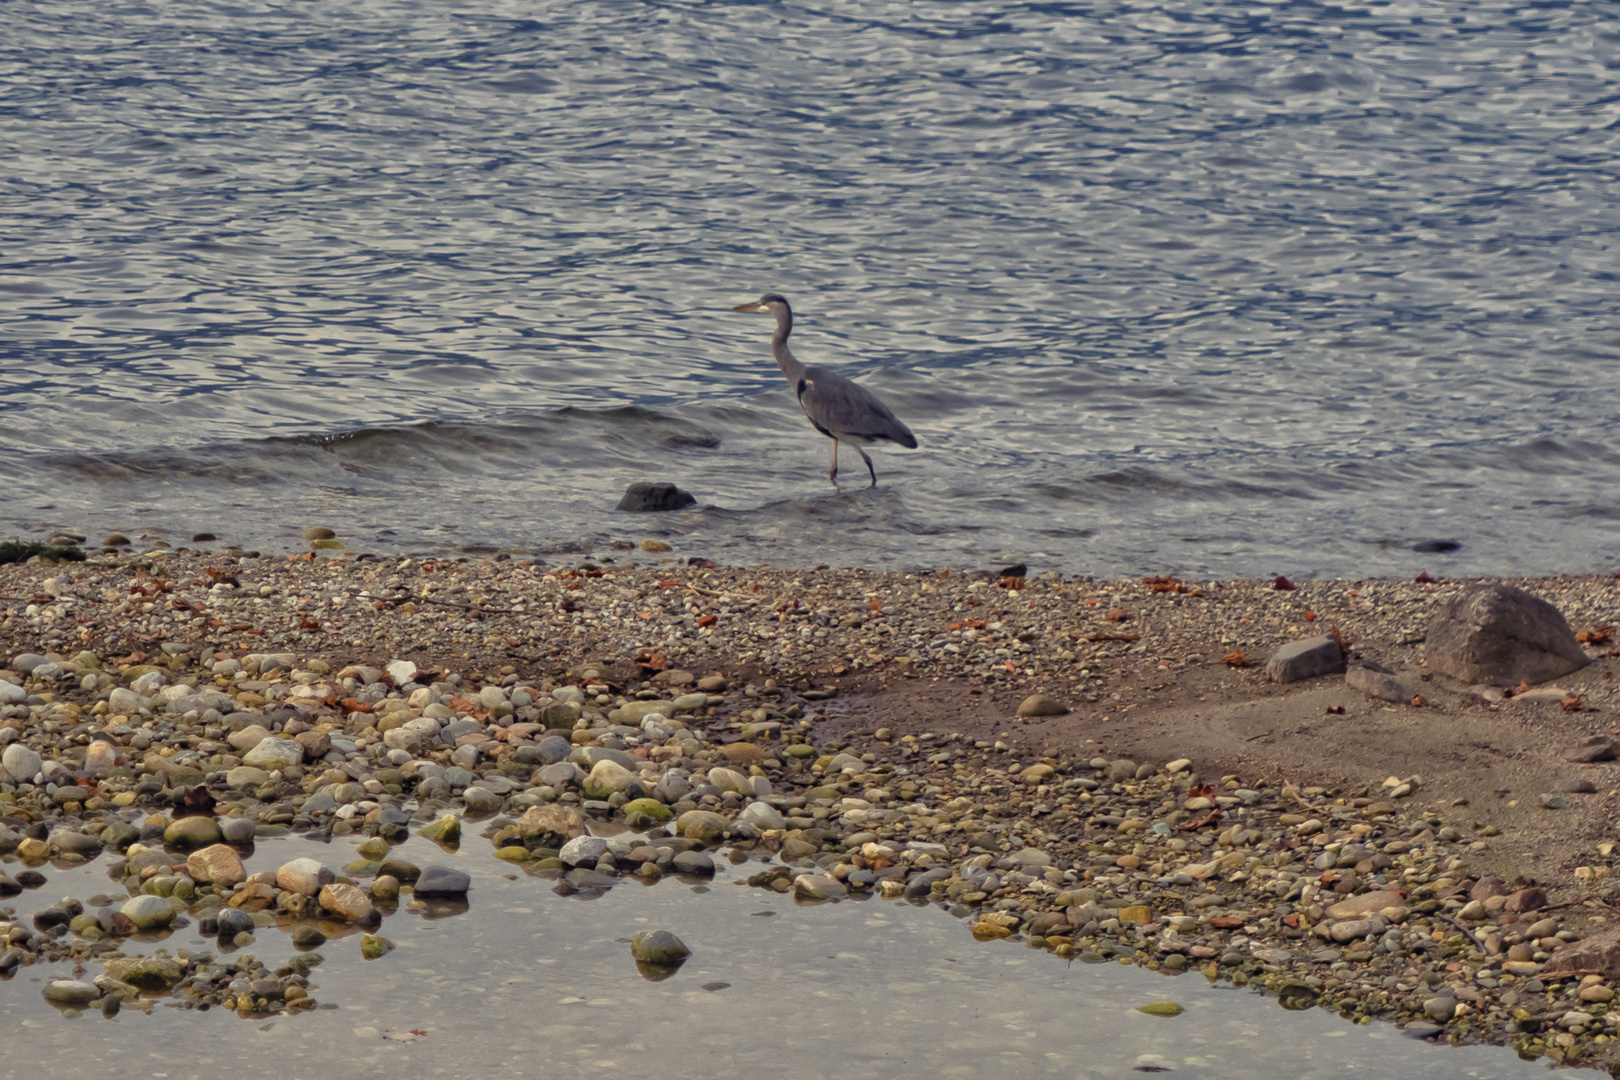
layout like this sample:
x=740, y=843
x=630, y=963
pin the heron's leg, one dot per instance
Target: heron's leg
x=832, y=473
x=869, y=468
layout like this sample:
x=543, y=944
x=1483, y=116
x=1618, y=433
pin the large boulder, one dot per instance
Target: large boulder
x=1595, y=955
x=1503, y=636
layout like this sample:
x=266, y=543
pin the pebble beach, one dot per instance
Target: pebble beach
x=957, y=738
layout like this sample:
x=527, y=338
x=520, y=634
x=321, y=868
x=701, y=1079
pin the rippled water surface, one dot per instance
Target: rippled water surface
x=528, y=983
x=1226, y=288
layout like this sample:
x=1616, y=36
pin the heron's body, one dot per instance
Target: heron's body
x=836, y=407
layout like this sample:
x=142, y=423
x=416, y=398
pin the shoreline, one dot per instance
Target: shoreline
x=1248, y=837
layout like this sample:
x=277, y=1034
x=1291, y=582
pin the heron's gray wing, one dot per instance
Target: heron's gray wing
x=839, y=408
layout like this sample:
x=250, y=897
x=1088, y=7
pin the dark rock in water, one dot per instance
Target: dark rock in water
x=119, y=835
x=1437, y=547
x=649, y=498
x=400, y=870
x=193, y=801
x=658, y=947
x=308, y=937
x=442, y=881
x=233, y=921
x=694, y=862
x=1305, y=659
x=920, y=884
x=46, y=918
x=1503, y=636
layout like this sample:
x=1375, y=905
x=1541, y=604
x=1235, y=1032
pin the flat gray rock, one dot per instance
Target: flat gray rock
x=1503, y=636
x=1305, y=659
x=1590, y=749
x=1376, y=684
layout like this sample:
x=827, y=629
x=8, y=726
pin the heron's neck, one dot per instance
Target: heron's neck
x=784, y=357
x=786, y=360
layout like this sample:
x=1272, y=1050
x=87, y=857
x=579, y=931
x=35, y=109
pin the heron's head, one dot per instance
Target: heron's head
x=771, y=302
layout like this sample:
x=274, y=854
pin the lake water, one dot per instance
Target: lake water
x=1220, y=288
x=527, y=982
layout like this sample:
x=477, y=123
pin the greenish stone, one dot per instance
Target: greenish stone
x=1160, y=1008
x=191, y=833
x=400, y=870
x=373, y=946
x=513, y=853
x=446, y=831
x=158, y=973
x=308, y=937
x=650, y=807
x=375, y=848
x=659, y=947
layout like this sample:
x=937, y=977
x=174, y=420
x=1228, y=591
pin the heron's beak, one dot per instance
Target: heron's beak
x=755, y=306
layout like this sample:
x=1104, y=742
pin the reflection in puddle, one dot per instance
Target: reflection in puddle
x=521, y=980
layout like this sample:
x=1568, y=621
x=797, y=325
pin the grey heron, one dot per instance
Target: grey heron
x=837, y=407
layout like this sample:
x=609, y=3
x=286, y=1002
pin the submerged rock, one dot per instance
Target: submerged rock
x=654, y=497
x=658, y=947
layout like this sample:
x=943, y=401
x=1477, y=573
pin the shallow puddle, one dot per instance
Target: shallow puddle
x=527, y=981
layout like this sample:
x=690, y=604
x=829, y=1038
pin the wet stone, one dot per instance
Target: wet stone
x=654, y=497
x=658, y=947
x=442, y=881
